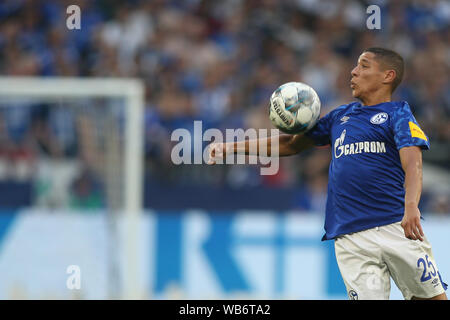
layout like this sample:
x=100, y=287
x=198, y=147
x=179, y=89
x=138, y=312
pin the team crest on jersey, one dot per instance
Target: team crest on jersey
x=352, y=295
x=379, y=118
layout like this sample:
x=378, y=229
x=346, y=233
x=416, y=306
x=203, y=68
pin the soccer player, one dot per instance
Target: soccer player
x=375, y=184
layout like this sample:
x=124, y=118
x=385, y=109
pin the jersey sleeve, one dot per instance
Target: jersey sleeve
x=407, y=131
x=320, y=133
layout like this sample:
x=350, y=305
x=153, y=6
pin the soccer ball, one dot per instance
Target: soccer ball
x=294, y=107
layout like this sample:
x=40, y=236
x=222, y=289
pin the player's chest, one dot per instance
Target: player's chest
x=361, y=127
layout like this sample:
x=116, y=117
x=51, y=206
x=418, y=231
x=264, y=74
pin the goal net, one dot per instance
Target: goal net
x=84, y=138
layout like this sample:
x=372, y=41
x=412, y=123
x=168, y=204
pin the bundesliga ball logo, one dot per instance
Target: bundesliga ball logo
x=294, y=107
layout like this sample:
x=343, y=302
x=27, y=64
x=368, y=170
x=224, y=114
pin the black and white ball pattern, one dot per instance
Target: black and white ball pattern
x=294, y=107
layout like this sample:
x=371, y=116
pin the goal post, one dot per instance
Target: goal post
x=132, y=92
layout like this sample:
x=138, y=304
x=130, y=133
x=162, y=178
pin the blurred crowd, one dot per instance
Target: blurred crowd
x=219, y=61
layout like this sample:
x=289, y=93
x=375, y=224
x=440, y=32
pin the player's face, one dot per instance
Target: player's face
x=367, y=76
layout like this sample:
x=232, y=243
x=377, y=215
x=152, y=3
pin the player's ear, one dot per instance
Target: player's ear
x=389, y=76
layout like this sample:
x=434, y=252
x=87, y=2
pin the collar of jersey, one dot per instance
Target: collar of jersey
x=357, y=107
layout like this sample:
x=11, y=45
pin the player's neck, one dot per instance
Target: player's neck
x=376, y=98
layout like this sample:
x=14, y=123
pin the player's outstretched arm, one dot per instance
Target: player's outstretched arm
x=411, y=159
x=287, y=145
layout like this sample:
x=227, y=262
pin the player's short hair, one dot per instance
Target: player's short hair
x=389, y=59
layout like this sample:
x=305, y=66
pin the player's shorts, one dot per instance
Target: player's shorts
x=367, y=259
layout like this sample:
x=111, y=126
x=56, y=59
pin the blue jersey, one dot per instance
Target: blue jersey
x=365, y=186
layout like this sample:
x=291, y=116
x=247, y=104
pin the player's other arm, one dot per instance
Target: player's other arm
x=411, y=160
x=287, y=145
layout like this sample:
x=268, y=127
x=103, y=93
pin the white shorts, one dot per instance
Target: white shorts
x=367, y=259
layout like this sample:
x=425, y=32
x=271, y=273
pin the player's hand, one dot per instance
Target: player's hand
x=411, y=223
x=218, y=151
